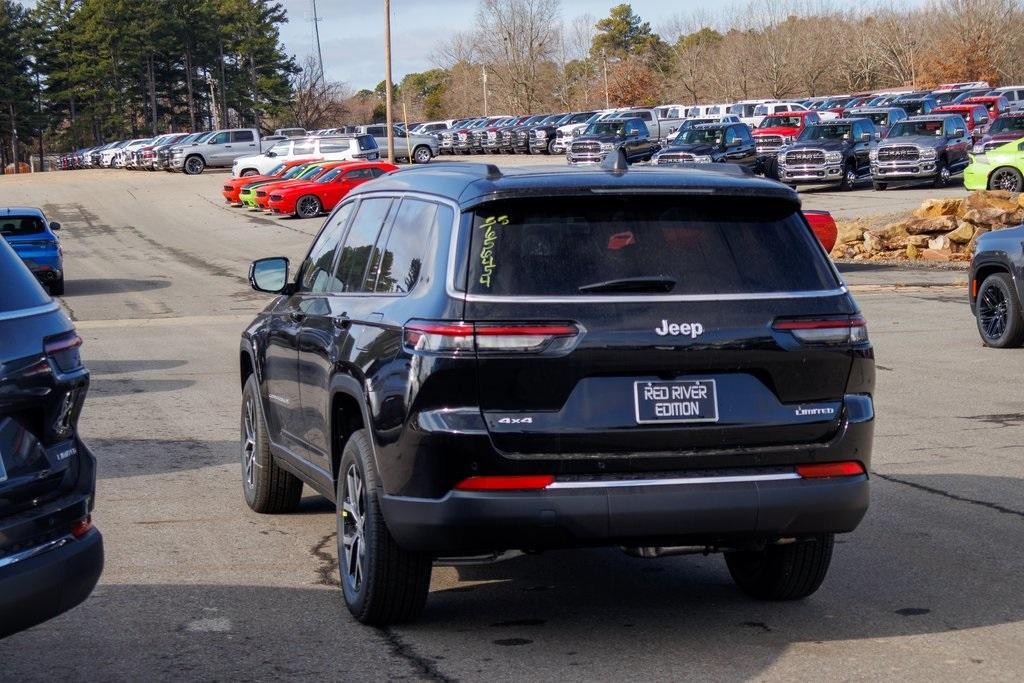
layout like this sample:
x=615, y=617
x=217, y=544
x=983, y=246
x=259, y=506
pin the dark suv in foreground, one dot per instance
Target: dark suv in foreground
x=469, y=362
x=50, y=554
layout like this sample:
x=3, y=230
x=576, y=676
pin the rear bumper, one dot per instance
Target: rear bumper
x=41, y=587
x=465, y=523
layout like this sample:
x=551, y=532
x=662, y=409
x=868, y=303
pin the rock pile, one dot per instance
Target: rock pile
x=939, y=230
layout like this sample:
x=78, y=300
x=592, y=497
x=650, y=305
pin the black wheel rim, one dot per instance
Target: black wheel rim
x=249, y=464
x=353, y=519
x=308, y=207
x=194, y=166
x=1004, y=179
x=992, y=312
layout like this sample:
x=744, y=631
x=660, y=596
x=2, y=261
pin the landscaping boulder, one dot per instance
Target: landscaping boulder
x=932, y=208
x=963, y=233
x=924, y=226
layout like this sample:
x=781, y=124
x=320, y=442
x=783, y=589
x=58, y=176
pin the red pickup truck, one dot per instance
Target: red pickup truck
x=775, y=132
x=996, y=104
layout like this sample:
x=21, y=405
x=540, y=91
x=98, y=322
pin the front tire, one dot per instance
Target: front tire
x=942, y=175
x=249, y=172
x=382, y=582
x=782, y=572
x=879, y=187
x=57, y=288
x=1006, y=178
x=422, y=155
x=268, y=489
x=308, y=206
x=1000, y=322
x=849, y=178
x=194, y=165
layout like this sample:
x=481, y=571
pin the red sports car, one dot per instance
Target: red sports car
x=308, y=199
x=234, y=186
x=263, y=191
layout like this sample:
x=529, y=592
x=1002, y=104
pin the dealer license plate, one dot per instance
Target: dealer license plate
x=690, y=400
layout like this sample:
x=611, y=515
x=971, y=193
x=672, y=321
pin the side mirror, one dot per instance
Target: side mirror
x=271, y=154
x=958, y=132
x=878, y=135
x=865, y=137
x=54, y=225
x=984, y=120
x=269, y=275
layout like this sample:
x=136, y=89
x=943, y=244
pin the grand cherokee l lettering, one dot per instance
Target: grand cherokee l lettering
x=468, y=362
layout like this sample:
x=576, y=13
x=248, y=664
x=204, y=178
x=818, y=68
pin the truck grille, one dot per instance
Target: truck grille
x=586, y=148
x=805, y=157
x=902, y=153
x=768, y=143
x=674, y=157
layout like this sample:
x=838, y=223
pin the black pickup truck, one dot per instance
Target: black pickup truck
x=831, y=152
x=710, y=143
x=605, y=137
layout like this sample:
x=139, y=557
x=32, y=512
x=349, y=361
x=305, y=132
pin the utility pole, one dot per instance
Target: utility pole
x=14, y=138
x=210, y=81
x=39, y=116
x=604, y=58
x=387, y=82
x=316, y=34
x=483, y=70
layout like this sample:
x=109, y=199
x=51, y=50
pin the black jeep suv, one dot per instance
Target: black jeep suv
x=469, y=361
x=50, y=554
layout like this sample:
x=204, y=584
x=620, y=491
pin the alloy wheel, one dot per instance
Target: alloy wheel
x=992, y=312
x=194, y=166
x=249, y=449
x=421, y=155
x=353, y=538
x=1005, y=179
x=308, y=207
x=851, y=178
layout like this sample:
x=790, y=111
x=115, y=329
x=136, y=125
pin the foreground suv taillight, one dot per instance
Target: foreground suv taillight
x=455, y=338
x=64, y=350
x=845, y=330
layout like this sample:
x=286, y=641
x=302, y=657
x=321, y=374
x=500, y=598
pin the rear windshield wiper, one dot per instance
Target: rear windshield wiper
x=657, y=283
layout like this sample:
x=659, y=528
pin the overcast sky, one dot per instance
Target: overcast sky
x=351, y=31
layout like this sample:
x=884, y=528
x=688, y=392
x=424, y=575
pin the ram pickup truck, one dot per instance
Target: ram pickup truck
x=770, y=109
x=882, y=117
x=607, y=137
x=832, y=152
x=933, y=147
x=975, y=116
x=1006, y=128
x=658, y=129
x=218, y=150
x=422, y=148
x=729, y=143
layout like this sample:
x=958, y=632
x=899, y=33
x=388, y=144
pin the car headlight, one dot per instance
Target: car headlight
x=873, y=155
x=704, y=159
x=833, y=157
x=926, y=152
x=607, y=146
x=542, y=133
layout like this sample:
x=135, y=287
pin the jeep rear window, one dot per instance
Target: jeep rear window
x=554, y=246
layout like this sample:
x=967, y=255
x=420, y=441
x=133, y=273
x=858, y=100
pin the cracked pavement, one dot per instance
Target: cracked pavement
x=198, y=587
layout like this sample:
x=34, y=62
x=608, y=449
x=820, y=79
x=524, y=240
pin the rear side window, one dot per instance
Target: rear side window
x=366, y=143
x=360, y=247
x=20, y=289
x=15, y=226
x=242, y=136
x=554, y=247
x=328, y=146
x=403, y=253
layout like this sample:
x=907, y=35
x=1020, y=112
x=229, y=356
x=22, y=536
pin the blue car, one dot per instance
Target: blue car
x=34, y=239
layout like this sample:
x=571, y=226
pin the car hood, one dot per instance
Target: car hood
x=1008, y=147
x=598, y=138
x=1008, y=136
x=296, y=185
x=827, y=145
x=916, y=140
x=778, y=130
x=694, y=148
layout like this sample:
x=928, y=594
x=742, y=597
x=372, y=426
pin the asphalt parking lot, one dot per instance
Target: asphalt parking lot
x=198, y=587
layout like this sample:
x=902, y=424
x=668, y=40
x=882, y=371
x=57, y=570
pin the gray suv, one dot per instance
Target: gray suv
x=932, y=147
x=422, y=148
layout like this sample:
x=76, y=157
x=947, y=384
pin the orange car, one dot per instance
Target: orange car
x=234, y=186
x=264, y=190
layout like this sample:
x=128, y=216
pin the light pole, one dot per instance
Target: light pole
x=604, y=59
x=483, y=70
x=387, y=81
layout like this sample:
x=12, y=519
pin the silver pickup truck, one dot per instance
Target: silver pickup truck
x=658, y=128
x=219, y=150
x=420, y=148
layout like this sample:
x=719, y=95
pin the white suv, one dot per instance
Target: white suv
x=336, y=148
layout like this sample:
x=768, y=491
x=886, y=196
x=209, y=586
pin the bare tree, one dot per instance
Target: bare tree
x=316, y=102
x=520, y=35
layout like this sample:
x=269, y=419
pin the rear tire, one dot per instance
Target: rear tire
x=782, y=572
x=1006, y=178
x=249, y=172
x=268, y=489
x=383, y=583
x=999, y=317
x=57, y=288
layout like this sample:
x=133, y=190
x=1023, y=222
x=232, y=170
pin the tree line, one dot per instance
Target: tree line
x=82, y=72
x=536, y=60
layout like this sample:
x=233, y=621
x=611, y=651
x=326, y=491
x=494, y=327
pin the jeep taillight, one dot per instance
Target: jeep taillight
x=845, y=330
x=456, y=338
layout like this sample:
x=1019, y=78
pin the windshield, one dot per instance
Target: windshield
x=295, y=171
x=277, y=169
x=747, y=109
x=16, y=226
x=834, y=131
x=700, y=136
x=1008, y=124
x=879, y=118
x=281, y=148
x=310, y=172
x=330, y=175
x=205, y=136
x=915, y=107
x=906, y=129
x=782, y=121
x=607, y=128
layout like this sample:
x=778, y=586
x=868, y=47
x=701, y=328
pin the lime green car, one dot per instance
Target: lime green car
x=1000, y=168
x=247, y=195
